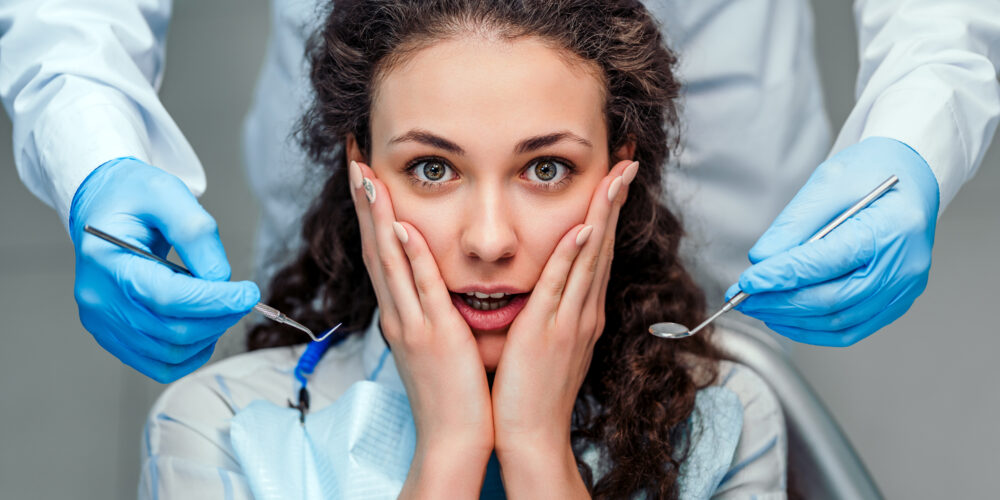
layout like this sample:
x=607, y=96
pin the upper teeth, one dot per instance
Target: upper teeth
x=481, y=295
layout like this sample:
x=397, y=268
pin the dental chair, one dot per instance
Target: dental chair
x=821, y=461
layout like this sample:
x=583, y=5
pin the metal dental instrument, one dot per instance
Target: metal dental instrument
x=268, y=311
x=679, y=331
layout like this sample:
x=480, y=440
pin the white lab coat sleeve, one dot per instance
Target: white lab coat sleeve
x=78, y=79
x=928, y=77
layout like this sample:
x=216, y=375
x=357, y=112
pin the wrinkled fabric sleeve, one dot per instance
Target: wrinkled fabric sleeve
x=760, y=463
x=928, y=77
x=78, y=79
x=186, y=451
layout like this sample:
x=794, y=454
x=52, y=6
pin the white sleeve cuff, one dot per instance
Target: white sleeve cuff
x=84, y=127
x=72, y=140
x=924, y=120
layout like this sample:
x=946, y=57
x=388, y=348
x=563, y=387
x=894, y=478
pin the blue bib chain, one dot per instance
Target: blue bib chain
x=307, y=364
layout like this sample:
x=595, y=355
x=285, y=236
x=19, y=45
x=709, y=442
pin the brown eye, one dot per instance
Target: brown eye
x=434, y=170
x=430, y=172
x=546, y=170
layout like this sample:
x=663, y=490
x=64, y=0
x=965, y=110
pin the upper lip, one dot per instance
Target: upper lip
x=510, y=290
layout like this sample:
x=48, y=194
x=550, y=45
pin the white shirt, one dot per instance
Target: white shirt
x=187, y=452
x=81, y=90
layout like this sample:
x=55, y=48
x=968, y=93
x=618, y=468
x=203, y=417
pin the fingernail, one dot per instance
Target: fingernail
x=629, y=174
x=583, y=235
x=354, y=172
x=616, y=185
x=369, y=189
x=400, y=232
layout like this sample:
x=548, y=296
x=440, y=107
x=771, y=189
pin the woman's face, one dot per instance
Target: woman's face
x=492, y=150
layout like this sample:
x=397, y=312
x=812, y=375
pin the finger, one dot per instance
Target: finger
x=829, y=322
x=188, y=227
x=172, y=342
x=818, y=202
x=183, y=332
x=431, y=289
x=551, y=285
x=846, y=248
x=848, y=317
x=392, y=259
x=159, y=371
x=153, y=348
x=582, y=275
x=369, y=244
x=850, y=336
x=597, y=291
x=167, y=293
x=814, y=300
x=602, y=300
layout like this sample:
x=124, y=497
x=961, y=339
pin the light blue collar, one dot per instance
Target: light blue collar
x=361, y=445
x=376, y=359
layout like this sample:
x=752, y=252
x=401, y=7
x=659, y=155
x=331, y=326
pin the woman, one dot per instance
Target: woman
x=486, y=161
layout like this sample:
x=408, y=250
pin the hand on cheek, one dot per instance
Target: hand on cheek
x=435, y=352
x=550, y=344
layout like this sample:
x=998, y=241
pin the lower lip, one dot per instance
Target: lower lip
x=490, y=320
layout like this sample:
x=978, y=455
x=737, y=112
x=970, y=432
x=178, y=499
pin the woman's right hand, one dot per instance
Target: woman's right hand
x=434, y=349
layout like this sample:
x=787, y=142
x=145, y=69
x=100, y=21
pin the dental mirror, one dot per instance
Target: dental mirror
x=679, y=331
x=669, y=330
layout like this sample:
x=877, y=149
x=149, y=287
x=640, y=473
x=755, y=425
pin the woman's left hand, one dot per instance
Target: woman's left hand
x=550, y=344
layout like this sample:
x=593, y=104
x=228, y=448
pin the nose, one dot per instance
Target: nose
x=489, y=233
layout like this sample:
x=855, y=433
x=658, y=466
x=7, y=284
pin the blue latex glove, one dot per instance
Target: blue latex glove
x=866, y=272
x=163, y=324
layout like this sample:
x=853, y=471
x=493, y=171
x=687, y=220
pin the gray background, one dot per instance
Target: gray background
x=918, y=399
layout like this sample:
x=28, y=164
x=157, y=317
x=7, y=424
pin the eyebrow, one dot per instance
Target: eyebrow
x=525, y=146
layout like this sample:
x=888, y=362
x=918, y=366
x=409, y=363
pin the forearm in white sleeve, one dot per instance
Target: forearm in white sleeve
x=928, y=78
x=79, y=79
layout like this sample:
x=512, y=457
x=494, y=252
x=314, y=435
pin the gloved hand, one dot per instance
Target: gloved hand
x=163, y=324
x=862, y=275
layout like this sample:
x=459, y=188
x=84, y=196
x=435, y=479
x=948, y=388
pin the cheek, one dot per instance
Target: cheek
x=540, y=223
x=542, y=238
x=429, y=217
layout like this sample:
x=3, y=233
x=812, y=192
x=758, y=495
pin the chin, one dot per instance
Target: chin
x=490, y=346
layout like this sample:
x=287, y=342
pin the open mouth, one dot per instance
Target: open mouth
x=489, y=312
x=490, y=303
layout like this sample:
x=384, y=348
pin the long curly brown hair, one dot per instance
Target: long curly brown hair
x=639, y=393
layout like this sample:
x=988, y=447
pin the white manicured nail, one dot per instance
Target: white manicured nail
x=616, y=185
x=369, y=189
x=400, y=232
x=629, y=174
x=583, y=235
x=354, y=172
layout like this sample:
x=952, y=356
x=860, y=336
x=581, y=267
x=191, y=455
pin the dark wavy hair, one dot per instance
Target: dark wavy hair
x=639, y=392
